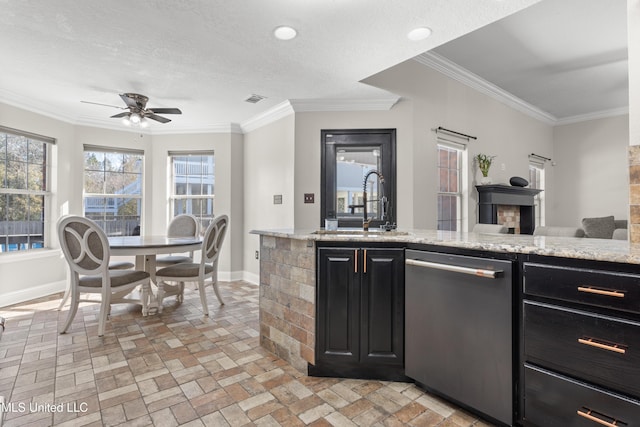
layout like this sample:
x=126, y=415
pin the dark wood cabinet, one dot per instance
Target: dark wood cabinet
x=360, y=312
x=580, y=344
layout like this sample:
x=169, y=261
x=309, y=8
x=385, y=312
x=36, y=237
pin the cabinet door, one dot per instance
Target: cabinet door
x=338, y=305
x=382, y=316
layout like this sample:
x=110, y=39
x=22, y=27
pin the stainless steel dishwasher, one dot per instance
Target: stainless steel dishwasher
x=458, y=323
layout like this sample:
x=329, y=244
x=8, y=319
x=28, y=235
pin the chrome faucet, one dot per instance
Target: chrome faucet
x=383, y=199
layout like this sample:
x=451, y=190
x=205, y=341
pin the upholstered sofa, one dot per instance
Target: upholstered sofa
x=597, y=228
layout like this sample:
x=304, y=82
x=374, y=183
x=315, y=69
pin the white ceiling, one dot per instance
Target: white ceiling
x=567, y=58
x=205, y=57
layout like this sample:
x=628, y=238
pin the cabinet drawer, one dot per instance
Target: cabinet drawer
x=601, y=350
x=552, y=400
x=614, y=290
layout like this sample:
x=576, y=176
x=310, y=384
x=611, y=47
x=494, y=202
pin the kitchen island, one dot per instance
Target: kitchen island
x=565, y=277
x=288, y=272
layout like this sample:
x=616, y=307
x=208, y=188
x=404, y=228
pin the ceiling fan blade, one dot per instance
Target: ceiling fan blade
x=157, y=118
x=117, y=116
x=131, y=103
x=104, y=105
x=165, y=110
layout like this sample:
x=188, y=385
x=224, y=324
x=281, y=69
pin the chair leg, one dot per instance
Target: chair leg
x=203, y=297
x=73, y=309
x=217, y=291
x=65, y=297
x=105, y=308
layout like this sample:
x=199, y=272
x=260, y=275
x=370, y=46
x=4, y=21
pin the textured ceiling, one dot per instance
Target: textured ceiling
x=205, y=57
x=567, y=58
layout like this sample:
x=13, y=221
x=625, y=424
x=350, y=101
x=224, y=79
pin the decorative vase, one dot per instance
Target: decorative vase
x=485, y=180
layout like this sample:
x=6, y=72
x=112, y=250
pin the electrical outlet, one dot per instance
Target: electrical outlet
x=257, y=254
x=277, y=199
x=309, y=197
x=503, y=166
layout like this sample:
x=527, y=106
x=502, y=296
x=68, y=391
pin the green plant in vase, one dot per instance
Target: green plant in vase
x=484, y=164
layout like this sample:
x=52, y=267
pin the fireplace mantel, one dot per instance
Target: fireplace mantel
x=490, y=196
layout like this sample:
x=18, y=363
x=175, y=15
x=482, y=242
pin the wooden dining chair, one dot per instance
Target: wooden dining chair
x=196, y=272
x=86, y=249
x=183, y=225
x=116, y=265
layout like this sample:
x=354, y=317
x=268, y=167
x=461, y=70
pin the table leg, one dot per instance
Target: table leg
x=150, y=267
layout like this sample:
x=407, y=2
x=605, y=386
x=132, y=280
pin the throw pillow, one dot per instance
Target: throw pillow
x=599, y=228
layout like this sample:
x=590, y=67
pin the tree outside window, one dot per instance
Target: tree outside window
x=113, y=189
x=23, y=191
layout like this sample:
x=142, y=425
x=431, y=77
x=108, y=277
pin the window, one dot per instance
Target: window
x=450, y=188
x=113, y=189
x=24, y=189
x=193, y=182
x=536, y=180
x=348, y=156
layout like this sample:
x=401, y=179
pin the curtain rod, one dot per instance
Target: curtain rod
x=539, y=157
x=441, y=129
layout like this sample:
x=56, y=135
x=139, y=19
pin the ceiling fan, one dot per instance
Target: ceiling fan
x=138, y=112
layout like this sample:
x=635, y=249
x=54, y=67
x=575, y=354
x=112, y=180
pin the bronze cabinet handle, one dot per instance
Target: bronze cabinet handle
x=617, y=348
x=609, y=293
x=590, y=417
x=364, y=259
x=355, y=264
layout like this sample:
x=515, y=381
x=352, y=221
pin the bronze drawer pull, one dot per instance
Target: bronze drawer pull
x=587, y=415
x=355, y=264
x=591, y=290
x=364, y=260
x=611, y=347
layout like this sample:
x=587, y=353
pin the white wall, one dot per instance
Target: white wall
x=268, y=170
x=591, y=170
x=441, y=101
x=34, y=274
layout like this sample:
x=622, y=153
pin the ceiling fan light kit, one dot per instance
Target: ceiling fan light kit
x=139, y=114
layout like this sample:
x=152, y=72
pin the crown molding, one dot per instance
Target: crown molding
x=593, y=116
x=273, y=114
x=466, y=77
x=15, y=100
x=315, y=105
x=292, y=106
x=213, y=128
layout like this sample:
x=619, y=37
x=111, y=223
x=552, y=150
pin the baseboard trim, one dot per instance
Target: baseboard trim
x=251, y=277
x=34, y=292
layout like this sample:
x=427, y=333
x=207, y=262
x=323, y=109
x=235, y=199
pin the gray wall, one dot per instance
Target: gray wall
x=591, y=170
x=441, y=101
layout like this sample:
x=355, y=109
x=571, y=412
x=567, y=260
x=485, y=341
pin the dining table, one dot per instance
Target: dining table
x=146, y=248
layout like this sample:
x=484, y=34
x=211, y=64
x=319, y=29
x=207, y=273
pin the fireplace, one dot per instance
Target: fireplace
x=509, y=206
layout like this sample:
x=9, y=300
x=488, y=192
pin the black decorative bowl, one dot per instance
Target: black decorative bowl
x=517, y=181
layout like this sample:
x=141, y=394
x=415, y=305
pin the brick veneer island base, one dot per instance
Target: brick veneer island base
x=287, y=299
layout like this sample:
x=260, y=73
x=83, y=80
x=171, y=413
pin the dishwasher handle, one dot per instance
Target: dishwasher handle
x=479, y=272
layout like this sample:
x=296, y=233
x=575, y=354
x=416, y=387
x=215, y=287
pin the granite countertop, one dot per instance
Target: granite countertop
x=567, y=247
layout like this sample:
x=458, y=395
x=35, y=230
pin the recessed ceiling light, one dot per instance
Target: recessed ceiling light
x=285, y=33
x=419, y=33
